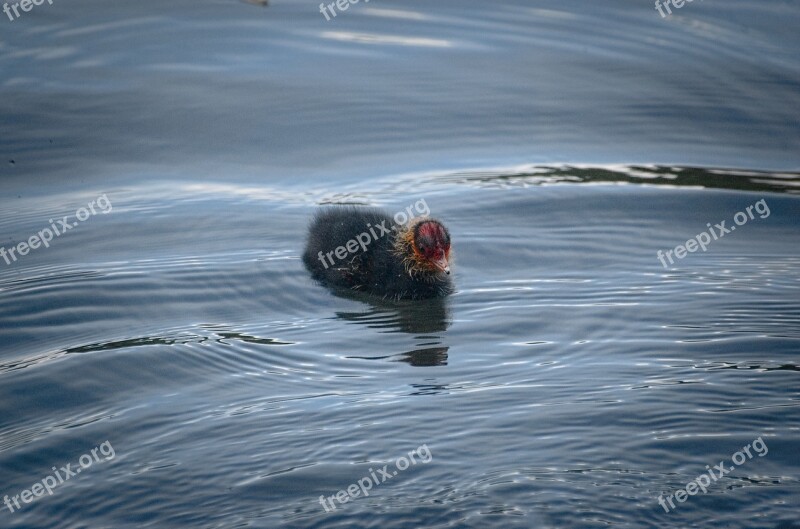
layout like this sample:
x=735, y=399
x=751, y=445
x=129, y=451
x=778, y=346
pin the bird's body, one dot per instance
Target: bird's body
x=362, y=249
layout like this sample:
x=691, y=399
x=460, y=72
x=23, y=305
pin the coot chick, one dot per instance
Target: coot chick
x=362, y=249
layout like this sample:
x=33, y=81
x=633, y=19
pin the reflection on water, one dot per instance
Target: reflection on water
x=426, y=320
x=412, y=317
x=427, y=357
x=735, y=179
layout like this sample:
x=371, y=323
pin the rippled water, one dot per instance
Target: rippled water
x=569, y=382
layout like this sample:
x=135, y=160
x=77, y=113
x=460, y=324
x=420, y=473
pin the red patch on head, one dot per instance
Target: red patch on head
x=432, y=240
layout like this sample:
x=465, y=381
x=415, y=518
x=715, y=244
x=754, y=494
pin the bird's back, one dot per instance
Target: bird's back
x=357, y=234
x=354, y=248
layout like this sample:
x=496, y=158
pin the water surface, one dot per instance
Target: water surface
x=569, y=382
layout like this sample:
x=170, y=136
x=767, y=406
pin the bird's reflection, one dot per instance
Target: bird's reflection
x=430, y=356
x=423, y=318
x=411, y=317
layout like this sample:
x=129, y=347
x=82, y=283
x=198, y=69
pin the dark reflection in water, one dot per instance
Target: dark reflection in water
x=428, y=357
x=421, y=318
x=412, y=317
x=735, y=179
x=425, y=357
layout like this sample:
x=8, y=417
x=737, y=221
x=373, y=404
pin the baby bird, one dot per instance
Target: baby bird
x=364, y=250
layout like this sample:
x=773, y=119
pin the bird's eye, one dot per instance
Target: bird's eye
x=421, y=248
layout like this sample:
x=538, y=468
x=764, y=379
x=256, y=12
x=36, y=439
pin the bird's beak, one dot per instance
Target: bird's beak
x=442, y=265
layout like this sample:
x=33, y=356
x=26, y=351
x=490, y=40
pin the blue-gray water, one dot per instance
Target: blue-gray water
x=568, y=383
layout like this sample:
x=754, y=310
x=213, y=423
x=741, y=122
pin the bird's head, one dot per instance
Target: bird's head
x=426, y=247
